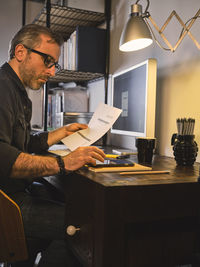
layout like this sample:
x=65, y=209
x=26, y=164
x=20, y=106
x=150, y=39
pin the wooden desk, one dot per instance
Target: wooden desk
x=135, y=220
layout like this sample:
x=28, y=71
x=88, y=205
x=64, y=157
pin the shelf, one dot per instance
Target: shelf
x=77, y=76
x=65, y=19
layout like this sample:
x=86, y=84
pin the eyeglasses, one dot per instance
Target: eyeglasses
x=49, y=61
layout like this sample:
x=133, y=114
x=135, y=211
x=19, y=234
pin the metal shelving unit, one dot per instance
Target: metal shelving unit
x=64, y=20
x=70, y=75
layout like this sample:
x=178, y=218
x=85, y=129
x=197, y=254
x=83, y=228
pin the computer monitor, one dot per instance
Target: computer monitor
x=134, y=91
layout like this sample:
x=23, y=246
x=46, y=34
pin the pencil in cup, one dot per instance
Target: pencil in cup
x=185, y=126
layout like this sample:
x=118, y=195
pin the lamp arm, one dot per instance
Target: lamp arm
x=156, y=40
x=136, y=11
x=185, y=30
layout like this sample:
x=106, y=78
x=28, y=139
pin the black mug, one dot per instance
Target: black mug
x=145, y=148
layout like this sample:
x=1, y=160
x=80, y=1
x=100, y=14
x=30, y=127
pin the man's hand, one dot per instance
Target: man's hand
x=32, y=166
x=58, y=134
x=83, y=155
x=74, y=127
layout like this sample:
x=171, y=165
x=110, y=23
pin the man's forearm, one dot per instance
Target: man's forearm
x=31, y=166
x=56, y=135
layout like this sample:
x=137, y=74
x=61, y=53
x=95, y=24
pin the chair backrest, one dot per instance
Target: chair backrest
x=12, y=239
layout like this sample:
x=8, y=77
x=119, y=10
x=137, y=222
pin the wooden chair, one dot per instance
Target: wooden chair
x=12, y=239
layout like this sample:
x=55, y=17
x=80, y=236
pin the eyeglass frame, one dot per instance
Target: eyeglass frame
x=45, y=57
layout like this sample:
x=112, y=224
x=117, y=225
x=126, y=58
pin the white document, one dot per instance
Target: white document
x=101, y=121
x=59, y=149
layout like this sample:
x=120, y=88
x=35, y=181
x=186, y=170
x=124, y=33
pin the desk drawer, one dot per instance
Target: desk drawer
x=164, y=243
x=80, y=214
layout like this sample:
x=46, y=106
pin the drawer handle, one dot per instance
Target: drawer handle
x=71, y=230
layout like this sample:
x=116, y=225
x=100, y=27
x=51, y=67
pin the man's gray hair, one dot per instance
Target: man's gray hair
x=29, y=36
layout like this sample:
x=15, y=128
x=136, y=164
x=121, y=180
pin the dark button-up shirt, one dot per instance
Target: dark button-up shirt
x=15, y=137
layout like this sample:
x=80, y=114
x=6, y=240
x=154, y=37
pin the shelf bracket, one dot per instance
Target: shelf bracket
x=48, y=18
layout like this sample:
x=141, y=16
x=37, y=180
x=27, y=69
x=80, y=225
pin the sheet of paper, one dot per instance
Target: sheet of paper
x=101, y=121
x=59, y=149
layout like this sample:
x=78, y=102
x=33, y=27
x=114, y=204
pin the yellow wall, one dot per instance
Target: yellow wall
x=178, y=96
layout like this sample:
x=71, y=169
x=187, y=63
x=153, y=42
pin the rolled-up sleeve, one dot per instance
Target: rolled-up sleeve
x=9, y=153
x=8, y=157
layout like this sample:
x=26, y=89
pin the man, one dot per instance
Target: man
x=34, y=53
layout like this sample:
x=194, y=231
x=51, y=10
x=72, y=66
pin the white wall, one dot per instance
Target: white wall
x=32, y=10
x=10, y=21
x=93, y=5
x=178, y=90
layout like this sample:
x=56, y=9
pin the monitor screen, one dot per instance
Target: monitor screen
x=134, y=91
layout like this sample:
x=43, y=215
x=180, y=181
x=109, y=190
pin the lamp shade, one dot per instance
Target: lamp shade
x=135, y=35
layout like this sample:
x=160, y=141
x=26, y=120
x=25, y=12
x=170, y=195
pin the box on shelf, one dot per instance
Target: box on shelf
x=63, y=100
x=85, y=50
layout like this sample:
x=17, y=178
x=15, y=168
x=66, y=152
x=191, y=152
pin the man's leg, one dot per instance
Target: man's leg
x=58, y=255
x=43, y=220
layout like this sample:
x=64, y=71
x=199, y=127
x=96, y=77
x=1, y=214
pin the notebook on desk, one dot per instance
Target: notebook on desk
x=136, y=167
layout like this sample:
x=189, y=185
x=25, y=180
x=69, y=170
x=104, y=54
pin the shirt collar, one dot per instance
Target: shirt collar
x=14, y=76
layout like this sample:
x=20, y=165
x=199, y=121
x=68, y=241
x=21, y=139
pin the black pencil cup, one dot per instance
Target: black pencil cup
x=185, y=149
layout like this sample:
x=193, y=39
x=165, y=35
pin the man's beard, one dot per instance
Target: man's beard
x=29, y=77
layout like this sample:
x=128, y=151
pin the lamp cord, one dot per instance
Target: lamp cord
x=146, y=9
x=196, y=17
x=146, y=14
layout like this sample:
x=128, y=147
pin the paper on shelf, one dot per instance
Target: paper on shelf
x=101, y=121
